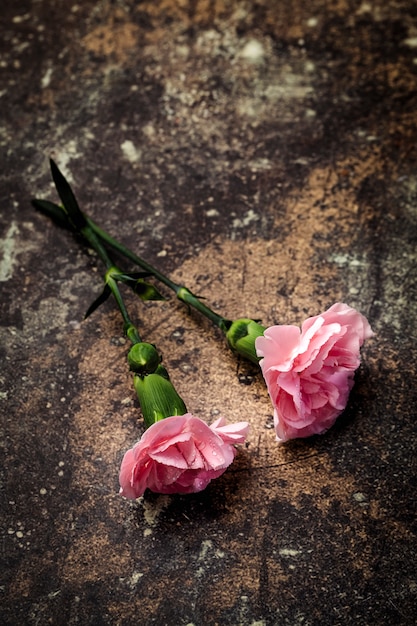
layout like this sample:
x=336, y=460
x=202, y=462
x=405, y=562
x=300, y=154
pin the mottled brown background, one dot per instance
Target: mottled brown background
x=264, y=153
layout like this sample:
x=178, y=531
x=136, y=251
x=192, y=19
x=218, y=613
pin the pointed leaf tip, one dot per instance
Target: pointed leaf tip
x=67, y=197
x=147, y=291
x=102, y=298
x=54, y=211
x=143, y=289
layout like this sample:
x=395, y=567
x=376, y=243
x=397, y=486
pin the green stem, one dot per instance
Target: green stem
x=129, y=328
x=241, y=334
x=88, y=233
x=157, y=396
x=104, y=236
x=182, y=293
x=189, y=298
x=111, y=280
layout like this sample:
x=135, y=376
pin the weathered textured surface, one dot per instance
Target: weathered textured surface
x=265, y=154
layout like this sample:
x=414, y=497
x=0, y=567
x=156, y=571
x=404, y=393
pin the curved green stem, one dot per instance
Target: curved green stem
x=104, y=236
x=129, y=328
x=182, y=292
x=111, y=280
x=241, y=334
x=186, y=296
x=157, y=396
x=88, y=233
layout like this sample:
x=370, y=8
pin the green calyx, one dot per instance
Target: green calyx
x=157, y=397
x=241, y=337
x=143, y=358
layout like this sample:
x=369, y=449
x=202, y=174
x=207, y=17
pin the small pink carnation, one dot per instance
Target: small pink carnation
x=179, y=454
x=309, y=374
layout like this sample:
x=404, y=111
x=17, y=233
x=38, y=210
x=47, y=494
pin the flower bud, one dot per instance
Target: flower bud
x=157, y=396
x=143, y=358
x=242, y=335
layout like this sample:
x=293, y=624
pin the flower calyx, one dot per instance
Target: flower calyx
x=157, y=396
x=241, y=336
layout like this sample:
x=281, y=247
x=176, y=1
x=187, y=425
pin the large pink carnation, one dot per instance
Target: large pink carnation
x=179, y=454
x=309, y=374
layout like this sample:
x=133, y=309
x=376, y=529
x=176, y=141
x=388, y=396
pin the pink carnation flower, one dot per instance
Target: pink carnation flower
x=309, y=374
x=179, y=454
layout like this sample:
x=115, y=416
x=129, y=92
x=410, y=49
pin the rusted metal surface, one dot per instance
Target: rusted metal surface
x=265, y=155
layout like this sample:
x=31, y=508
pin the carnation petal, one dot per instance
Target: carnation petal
x=163, y=478
x=179, y=454
x=278, y=346
x=170, y=456
x=231, y=433
x=126, y=474
x=309, y=379
x=217, y=454
x=164, y=429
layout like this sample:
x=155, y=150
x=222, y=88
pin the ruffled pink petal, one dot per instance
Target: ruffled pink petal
x=171, y=454
x=163, y=478
x=319, y=347
x=230, y=433
x=133, y=476
x=164, y=430
x=192, y=455
x=216, y=454
x=278, y=346
x=347, y=316
x=309, y=375
x=179, y=454
x=125, y=475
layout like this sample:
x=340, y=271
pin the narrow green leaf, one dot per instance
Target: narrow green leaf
x=102, y=298
x=134, y=280
x=131, y=277
x=146, y=291
x=67, y=196
x=54, y=211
